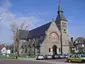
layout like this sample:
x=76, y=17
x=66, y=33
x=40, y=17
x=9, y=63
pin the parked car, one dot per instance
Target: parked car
x=75, y=58
x=63, y=56
x=48, y=57
x=82, y=55
x=57, y=56
x=40, y=57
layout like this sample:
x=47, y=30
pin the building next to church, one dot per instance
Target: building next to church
x=50, y=38
x=78, y=45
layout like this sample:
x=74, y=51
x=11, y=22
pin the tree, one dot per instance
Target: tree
x=15, y=34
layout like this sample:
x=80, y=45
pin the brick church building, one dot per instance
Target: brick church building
x=50, y=38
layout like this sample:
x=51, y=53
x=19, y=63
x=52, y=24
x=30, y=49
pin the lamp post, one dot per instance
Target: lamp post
x=61, y=43
x=61, y=39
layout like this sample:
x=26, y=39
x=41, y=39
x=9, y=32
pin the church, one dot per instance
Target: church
x=50, y=38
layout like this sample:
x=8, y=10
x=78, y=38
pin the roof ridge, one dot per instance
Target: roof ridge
x=40, y=26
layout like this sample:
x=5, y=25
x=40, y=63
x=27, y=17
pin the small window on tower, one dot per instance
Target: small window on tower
x=64, y=30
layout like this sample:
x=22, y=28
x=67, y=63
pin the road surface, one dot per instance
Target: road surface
x=33, y=62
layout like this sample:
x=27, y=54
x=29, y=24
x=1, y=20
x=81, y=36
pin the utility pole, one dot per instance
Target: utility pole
x=61, y=42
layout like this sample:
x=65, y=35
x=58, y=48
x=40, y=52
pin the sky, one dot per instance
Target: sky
x=38, y=12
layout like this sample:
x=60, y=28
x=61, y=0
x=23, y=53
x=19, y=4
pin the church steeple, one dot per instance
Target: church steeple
x=60, y=9
x=60, y=15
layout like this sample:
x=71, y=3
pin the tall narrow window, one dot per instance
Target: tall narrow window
x=49, y=49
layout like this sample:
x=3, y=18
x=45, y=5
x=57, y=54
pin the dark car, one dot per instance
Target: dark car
x=60, y=56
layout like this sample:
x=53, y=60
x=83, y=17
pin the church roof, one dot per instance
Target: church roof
x=39, y=31
x=60, y=15
x=25, y=34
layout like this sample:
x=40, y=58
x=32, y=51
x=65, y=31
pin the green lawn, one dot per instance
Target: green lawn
x=26, y=56
x=14, y=57
x=5, y=57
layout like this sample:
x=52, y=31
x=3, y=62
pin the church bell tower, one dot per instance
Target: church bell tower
x=62, y=25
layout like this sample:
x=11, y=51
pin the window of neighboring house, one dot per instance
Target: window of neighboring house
x=76, y=41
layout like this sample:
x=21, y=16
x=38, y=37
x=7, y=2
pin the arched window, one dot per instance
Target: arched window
x=49, y=49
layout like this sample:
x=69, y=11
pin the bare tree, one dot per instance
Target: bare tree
x=16, y=38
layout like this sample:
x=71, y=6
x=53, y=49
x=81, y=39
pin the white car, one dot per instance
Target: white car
x=48, y=56
x=40, y=57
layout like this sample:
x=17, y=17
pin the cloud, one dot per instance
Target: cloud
x=7, y=17
x=5, y=4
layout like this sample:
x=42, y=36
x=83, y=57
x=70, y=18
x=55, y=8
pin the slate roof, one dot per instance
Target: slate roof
x=80, y=40
x=39, y=31
x=23, y=34
x=60, y=15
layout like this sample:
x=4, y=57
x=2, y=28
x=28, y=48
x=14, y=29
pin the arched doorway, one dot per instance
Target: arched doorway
x=54, y=49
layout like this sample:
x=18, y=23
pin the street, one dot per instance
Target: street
x=21, y=62
x=34, y=62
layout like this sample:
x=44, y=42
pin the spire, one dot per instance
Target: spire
x=60, y=15
x=60, y=9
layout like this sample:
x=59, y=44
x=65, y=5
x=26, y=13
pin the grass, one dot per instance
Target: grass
x=14, y=57
x=5, y=57
x=32, y=56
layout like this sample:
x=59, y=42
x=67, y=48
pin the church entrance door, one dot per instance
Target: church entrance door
x=54, y=49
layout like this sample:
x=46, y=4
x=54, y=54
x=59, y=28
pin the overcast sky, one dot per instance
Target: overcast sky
x=38, y=12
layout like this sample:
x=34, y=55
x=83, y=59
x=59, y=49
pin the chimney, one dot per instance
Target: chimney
x=72, y=39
